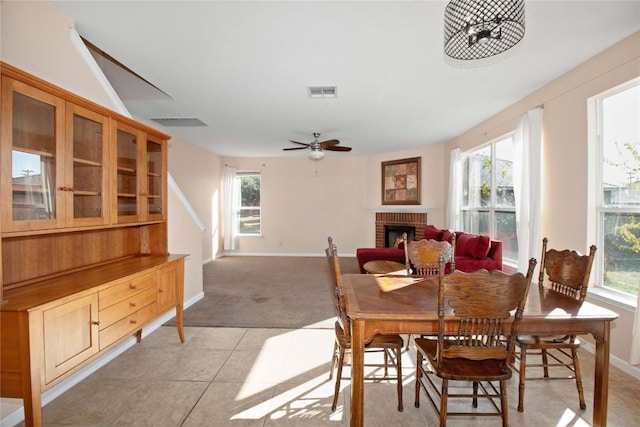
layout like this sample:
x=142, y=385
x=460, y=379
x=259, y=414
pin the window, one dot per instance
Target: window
x=488, y=202
x=249, y=218
x=618, y=188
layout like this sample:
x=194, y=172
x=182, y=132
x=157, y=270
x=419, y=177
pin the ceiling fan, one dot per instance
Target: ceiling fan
x=317, y=148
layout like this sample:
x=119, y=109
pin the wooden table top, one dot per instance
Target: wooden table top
x=368, y=297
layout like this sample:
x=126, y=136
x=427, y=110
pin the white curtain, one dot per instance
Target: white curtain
x=527, y=186
x=455, y=184
x=229, y=208
x=635, y=339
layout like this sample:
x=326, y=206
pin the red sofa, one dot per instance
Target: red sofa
x=473, y=252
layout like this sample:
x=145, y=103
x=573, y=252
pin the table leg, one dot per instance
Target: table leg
x=357, y=373
x=601, y=377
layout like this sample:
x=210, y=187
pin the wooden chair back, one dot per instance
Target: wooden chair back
x=335, y=288
x=422, y=256
x=483, y=303
x=566, y=272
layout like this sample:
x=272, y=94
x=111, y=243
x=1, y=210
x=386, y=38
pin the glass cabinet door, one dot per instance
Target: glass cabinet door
x=127, y=173
x=155, y=178
x=88, y=132
x=32, y=138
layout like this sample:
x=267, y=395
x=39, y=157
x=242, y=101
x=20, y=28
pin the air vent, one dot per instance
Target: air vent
x=180, y=122
x=322, y=91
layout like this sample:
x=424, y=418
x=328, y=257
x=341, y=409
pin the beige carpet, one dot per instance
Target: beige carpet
x=266, y=292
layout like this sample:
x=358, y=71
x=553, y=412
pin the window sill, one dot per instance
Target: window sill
x=618, y=299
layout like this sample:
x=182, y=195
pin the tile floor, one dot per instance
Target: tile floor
x=267, y=377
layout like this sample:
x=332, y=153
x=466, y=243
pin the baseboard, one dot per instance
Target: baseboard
x=313, y=254
x=17, y=416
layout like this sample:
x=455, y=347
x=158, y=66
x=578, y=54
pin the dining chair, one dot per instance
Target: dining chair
x=478, y=318
x=566, y=272
x=422, y=256
x=389, y=344
x=422, y=259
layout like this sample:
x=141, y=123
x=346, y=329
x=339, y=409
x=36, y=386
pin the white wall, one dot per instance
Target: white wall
x=182, y=236
x=198, y=172
x=300, y=208
x=36, y=38
x=304, y=202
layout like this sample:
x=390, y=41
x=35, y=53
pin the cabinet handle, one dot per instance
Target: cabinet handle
x=95, y=322
x=160, y=291
x=132, y=304
x=132, y=287
x=133, y=322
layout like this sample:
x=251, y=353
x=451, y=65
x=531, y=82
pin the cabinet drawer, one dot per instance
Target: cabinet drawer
x=125, y=290
x=117, y=311
x=124, y=326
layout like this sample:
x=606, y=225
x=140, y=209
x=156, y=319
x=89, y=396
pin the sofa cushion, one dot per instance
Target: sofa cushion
x=472, y=245
x=433, y=233
x=446, y=236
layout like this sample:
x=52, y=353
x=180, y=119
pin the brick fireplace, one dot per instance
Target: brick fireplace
x=418, y=220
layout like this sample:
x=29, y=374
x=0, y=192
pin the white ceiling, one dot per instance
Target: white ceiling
x=243, y=68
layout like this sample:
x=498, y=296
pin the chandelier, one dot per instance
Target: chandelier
x=480, y=29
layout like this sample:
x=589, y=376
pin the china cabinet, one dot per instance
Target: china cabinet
x=85, y=262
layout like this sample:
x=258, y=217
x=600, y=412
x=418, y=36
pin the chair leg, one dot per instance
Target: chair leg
x=399, y=374
x=578, y=374
x=522, y=368
x=545, y=362
x=338, y=377
x=443, y=402
x=386, y=363
x=418, y=379
x=504, y=403
x=474, y=401
x=333, y=359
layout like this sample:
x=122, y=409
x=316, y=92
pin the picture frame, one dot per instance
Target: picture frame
x=401, y=181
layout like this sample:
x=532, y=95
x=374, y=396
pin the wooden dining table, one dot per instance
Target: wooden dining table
x=378, y=304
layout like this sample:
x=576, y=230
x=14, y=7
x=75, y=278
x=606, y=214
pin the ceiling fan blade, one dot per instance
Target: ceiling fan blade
x=338, y=148
x=295, y=148
x=329, y=143
x=301, y=143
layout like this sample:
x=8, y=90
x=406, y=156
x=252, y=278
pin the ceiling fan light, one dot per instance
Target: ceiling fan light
x=316, y=154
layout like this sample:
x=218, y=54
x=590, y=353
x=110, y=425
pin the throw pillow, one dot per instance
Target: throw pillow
x=432, y=233
x=472, y=245
x=446, y=236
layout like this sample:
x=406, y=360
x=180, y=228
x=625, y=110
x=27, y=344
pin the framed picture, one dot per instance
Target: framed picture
x=401, y=182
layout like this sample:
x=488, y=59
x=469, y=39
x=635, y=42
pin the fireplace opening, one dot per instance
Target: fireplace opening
x=394, y=232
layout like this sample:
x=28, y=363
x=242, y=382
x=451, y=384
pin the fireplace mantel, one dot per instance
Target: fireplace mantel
x=395, y=209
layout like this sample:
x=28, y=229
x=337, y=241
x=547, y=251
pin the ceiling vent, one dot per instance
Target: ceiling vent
x=322, y=91
x=180, y=122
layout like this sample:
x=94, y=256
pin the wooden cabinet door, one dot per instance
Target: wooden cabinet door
x=127, y=176
x=70, y=335
x=87, y=174
x=155, y=196
x=32, y=160
x=168, y=287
